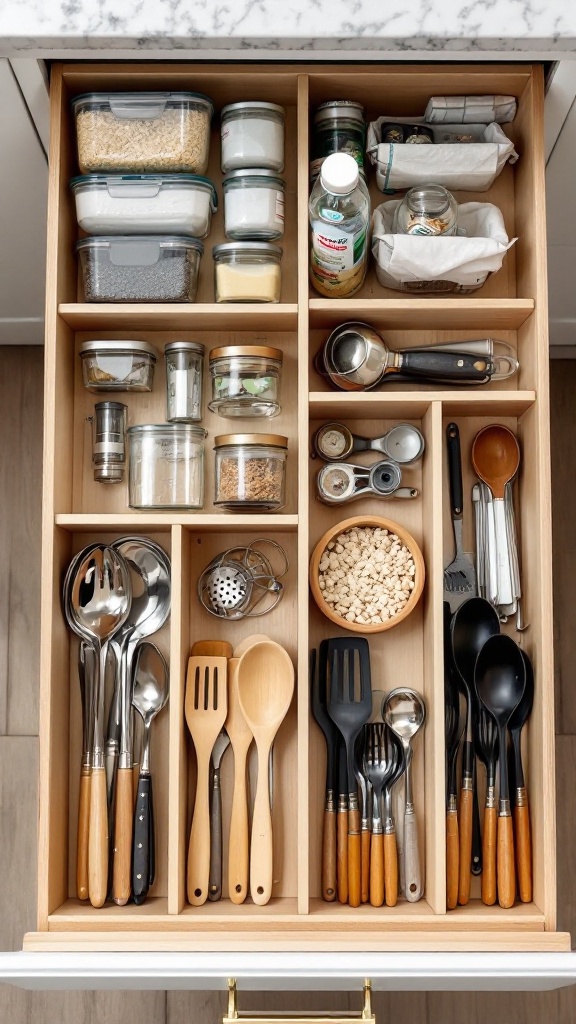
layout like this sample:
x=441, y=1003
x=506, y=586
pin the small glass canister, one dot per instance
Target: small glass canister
x=252, y=135
x=426, y=210
x=166, y=466
x=338, y=127
x=250, y=472
x=253, y=204
x=184, y=374
x=109, y=442
x=245, y=380
x=247, y=272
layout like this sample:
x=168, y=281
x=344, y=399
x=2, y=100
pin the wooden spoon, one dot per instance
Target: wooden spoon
x=265, y=690
x=240, y=738
x=496, y=458
x=248, y=642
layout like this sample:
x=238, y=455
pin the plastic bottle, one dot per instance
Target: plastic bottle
x=339, y=211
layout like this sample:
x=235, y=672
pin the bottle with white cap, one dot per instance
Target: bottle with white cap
x=339, y=211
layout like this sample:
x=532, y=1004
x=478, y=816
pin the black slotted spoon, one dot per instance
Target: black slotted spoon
x=350, y=707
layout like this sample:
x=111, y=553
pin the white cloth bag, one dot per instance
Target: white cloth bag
x=466, y=260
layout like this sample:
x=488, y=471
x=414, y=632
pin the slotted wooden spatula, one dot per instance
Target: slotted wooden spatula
x=206, y=705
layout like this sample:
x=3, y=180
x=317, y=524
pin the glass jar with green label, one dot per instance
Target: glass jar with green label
x=339, y=212
x=338, y=127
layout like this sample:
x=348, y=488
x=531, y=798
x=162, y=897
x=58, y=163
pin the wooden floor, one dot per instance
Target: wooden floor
x=20, y=483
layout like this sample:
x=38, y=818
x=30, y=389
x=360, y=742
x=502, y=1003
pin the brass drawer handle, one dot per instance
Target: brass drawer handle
x=234, y=1015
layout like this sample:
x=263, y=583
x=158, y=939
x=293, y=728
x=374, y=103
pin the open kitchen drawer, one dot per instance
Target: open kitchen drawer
x=234, y=940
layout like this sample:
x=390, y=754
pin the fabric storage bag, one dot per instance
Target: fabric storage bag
x=468, y=166
x=442, y=263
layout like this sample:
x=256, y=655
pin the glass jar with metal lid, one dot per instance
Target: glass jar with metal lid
x=252, y=135
x=245, y=380
x=250, y=472
x=166, y=466
x=338, y=127
x=426, y=210
x=118, y=365
x=247, y=272
x=184, y=375
x=253, y=204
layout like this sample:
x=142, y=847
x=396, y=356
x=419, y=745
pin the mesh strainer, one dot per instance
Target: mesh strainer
x=242, y=581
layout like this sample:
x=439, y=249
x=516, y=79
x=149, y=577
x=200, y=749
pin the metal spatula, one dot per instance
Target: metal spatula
x=460, y=575
x=350, y=707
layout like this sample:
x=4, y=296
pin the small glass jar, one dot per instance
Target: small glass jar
x=426, y=210
x=166, y=466
x=118, y=365
x=184, y=374
x=250, y=472
x=338, y=127
x=252, y=136
x=247, y=272
x=245, y=380
x=109, y=442
x=253, y=204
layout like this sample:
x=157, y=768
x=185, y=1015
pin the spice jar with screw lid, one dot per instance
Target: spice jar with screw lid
x=166, y=466
x=245, y=380
x=184, y=374
x=252, y=135
x=338, y=127
x=250, y=473
x=108, y=445
x=247, y=272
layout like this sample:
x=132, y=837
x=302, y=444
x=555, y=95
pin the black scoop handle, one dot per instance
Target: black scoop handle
x=454, y=469
x=143, y=840
x=456, y=366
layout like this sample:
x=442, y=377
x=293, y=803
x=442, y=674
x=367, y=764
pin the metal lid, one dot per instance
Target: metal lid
x=256, y=105
x=84, y=182
x=162, y=241
x=339, y=108
x=254, y=248
x=110, y=405
x=274, y=440
x=117, y=347
x=246, y=350
x=185, y=346
x=141, y=99
x=190, y=429
x=268, y=176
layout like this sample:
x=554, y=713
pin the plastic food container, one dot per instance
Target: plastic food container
x=166, y=466
x=245, y=380
x=247, y=272
x=147, y=204
x=253, y=204
x=184, y=375
x=143, y=131
x=140, y=268
x=250, y=472
x=338, y=127
x=118, y=365
x=252, y=136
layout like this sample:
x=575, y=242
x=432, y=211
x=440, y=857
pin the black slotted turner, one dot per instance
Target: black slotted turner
x=318, y=687
x=350, y=707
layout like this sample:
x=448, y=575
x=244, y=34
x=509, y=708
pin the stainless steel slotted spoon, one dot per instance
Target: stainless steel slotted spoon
x=460, y=575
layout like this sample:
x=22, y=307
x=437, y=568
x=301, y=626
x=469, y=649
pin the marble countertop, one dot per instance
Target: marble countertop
x=280, y=28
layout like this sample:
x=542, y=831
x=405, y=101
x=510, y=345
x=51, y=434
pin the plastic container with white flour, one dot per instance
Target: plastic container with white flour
x=144, y=204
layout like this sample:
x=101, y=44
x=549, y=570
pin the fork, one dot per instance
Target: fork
x=375, y=767
x=206, y=706
x=460, y=575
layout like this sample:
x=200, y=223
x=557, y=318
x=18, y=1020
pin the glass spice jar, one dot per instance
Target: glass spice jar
x=247, y=272
x=108, y=442
x=426, y=210
x=184, y=375
x=338, y=127
x=245, y=380
x=166, y=466
x=252, y=135
x=250, y=473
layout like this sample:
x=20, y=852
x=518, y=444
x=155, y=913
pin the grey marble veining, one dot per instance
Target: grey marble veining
x=310, y=26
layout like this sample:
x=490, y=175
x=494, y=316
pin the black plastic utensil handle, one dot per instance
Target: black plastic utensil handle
x=476, y=863
x=455, y=469
x=455, y=366
x=152, y=844
x=142, y=840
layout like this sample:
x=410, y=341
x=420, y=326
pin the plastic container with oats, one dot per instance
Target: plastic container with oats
x=143, y=132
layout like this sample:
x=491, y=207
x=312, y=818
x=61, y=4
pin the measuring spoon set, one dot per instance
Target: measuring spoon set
x=339, y=481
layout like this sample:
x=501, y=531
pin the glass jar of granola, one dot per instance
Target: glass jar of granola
x=250, y=472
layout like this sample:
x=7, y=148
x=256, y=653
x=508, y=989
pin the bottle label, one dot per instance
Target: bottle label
x=338, y=258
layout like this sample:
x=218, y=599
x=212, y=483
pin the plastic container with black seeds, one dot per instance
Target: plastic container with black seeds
x=250, y=472
x=143, y=268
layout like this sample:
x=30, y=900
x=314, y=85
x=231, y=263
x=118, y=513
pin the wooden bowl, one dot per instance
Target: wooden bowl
x=343, y=527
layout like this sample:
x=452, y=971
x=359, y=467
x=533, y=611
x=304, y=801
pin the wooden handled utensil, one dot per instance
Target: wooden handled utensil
x=486, y=744
x=265, y=690
x=522, y=837
x=206, y=706
x=496, y=458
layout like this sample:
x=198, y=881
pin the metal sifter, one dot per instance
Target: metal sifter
x=242, y=581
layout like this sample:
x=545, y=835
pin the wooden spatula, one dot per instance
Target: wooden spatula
x=206, y=705
x=212, y=649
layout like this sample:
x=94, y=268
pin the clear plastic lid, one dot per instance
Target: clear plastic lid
x=138, y=250
x=140, y=105
x=229, y=249
x=253, y=176
x=144, y=186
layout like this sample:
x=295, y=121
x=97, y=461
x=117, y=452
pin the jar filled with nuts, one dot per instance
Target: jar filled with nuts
x=250, y=472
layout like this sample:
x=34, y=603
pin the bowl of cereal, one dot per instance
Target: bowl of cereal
x=367, y=574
